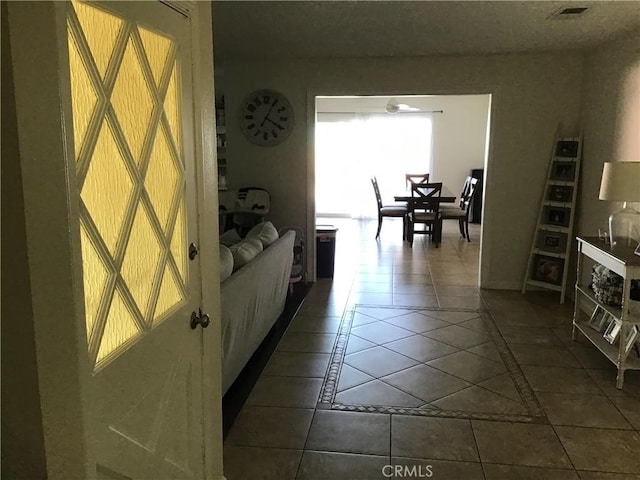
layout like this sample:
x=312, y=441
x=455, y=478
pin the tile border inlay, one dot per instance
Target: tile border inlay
x=535, y=413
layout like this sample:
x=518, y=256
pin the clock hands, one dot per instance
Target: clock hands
x=276, y=124
x=266, y=117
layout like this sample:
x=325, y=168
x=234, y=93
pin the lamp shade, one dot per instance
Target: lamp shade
x=620, y=182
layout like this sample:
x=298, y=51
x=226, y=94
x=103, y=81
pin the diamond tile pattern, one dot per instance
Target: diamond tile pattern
x=379, y=361
x=380, y=332
x=427, y=359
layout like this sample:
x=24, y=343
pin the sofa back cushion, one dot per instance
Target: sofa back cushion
x=226, y=263
x=265, y=232
x=245, y=251
x=230, y=237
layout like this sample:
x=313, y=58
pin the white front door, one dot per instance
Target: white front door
x=133, y=134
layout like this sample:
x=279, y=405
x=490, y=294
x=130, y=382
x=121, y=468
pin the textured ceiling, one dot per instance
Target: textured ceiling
x=277, y=29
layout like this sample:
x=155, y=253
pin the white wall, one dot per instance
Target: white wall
x=459, y=137
x=532, y=93
x=459, y=133
x=611, y=119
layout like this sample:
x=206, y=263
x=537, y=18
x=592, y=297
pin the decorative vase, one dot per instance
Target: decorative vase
x=624, y=227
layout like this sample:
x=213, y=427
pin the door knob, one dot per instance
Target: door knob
x=199, y=318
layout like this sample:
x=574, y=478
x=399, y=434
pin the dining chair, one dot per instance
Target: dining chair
x=411, y=178
x=397, y=210
x=461, y=212
x=424, y=208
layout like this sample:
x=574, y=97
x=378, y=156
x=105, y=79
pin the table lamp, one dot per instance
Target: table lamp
x=621, y=183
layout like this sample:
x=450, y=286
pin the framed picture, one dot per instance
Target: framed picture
x=632, y=337
x=554, y=242
x=560, y=193
x=567, y=148
x=599, y=319
x=548, y=269
x=563, y=171
x=637, y=250
x=613, y=330
x=556, y=216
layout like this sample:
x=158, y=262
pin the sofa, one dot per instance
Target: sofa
x=254, y=294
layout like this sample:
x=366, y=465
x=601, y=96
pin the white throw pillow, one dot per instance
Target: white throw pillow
x=226, y=263
x=265, y=232
x=245, y=251
x=230, y=237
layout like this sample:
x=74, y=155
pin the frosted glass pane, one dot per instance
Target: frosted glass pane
x=107, y=187
x=157, y=49
x=179, y=242
x=162, y=179
x=169, y=296
x=83, y=96
x=132, y=101
x=141, y=259
x=101, y=30
x=94, y=275
x=119, y=329
x=172, y=108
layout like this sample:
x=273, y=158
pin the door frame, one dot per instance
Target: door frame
x=39, y=51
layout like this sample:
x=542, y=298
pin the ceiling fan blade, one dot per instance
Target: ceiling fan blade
x=407, y=108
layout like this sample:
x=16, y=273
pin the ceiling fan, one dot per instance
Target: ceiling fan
x=394, y=107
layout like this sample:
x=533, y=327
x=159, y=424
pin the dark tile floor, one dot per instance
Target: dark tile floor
x=587, y=429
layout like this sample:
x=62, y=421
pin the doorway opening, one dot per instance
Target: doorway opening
x=360, y=137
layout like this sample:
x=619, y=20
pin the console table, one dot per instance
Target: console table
x=626, y=264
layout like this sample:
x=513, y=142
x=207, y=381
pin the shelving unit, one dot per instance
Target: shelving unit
x=623, y=262
x=550, y=247
x=221, y=144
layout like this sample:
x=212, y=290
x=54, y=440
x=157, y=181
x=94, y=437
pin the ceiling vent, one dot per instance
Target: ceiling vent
x=566, y=13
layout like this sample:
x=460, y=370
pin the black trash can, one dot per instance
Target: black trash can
x=325, y=250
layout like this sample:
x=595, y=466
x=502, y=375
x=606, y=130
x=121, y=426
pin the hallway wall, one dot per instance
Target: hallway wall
x=532, y=93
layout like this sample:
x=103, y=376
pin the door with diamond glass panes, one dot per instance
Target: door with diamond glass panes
x=130, y=81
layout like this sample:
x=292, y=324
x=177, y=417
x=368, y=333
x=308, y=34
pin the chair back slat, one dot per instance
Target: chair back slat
x=426, y=197
x=467, y=198
x=426, y=189
x=411, y=178
x=376, y=189
x=465, y=187
x=424, y=208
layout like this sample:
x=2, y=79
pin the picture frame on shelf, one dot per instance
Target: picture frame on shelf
x=560, y=193
x=599, y=319
x=548, y=269
x=632, y=338
x=553, y=242
x=556, y=216
x=564, y=171
x=613, y=330
x=567, y=148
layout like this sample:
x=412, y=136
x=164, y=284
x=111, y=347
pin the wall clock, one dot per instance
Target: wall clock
x=266, y=117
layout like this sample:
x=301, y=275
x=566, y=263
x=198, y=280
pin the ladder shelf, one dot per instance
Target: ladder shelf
x=551, y=245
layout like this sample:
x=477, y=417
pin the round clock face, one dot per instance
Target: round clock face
x=266, y=117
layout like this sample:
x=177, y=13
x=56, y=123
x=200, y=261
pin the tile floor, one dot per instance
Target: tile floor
x=427, y=362
x=587, y=429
